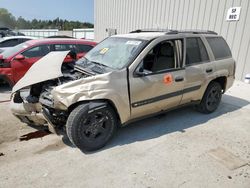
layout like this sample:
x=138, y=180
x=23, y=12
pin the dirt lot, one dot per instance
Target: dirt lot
x=180, y=149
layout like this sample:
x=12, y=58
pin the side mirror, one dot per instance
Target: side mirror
x=139, y=72
x=19, y=57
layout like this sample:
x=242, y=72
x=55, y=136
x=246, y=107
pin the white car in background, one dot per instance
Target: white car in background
x=8, y=42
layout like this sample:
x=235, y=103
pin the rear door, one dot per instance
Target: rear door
x=198, y=69
x=158, y=81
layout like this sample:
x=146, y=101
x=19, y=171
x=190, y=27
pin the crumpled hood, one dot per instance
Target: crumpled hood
x=46, y=68
x=111, y=86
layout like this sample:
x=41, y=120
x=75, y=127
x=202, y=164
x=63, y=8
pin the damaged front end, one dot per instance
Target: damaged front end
x=32, y=100
x=34, y=106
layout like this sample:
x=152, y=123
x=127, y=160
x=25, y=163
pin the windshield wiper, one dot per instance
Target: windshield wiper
x=86, y=61
x=100, y=64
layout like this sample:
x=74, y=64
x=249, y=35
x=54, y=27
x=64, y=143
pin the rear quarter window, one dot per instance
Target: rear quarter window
x=219, y=47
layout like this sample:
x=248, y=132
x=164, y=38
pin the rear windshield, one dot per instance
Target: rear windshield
x=219, y=47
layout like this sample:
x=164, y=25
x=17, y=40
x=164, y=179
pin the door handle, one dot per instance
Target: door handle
x=208, y=70
x=179, y=78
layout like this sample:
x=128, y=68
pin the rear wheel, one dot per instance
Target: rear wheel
x=91, y=129
x=211, y=98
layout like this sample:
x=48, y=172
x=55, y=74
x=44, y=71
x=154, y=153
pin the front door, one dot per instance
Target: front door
x=20, y=67
x=158, y=81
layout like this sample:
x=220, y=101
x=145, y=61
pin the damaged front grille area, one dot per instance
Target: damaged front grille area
x=46, y=97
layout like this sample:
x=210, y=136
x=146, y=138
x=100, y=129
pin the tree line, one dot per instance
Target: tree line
x=8, y=20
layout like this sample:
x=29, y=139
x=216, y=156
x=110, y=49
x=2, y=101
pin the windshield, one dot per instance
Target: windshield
x=13, y=50
x=115, y=52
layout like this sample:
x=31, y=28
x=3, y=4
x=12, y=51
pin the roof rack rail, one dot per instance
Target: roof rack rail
x=169, y=31
x=197, y=32
x=149, y=30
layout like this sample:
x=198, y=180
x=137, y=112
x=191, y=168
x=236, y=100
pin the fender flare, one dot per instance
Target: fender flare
x=93, y=105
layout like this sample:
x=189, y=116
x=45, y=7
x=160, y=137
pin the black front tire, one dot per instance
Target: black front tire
x=211, y=98
x=90, y=129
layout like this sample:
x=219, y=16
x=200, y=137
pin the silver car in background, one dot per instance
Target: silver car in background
x=8, y=42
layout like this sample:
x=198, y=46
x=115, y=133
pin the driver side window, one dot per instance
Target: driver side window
x=162, y=57
x=38, y=51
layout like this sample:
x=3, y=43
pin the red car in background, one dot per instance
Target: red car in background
x=16, y=61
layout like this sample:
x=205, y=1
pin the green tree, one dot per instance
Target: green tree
x=7, y=19
x=22, y=23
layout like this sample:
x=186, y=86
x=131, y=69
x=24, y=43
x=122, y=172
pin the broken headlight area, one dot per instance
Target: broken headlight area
x=20, y=96
x=46, y=98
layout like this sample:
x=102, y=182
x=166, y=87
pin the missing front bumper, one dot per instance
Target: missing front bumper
x=28, y=113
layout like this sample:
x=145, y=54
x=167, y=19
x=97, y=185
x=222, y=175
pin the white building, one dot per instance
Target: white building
x=221, y=16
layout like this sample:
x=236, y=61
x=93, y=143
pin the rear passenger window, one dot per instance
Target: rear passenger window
x=219, y=47
x=196, y=51
x=61, y=47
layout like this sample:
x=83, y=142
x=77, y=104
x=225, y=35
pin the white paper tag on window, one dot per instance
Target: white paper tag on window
x=133, y=42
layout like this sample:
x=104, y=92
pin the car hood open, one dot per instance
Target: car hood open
x=47, y=68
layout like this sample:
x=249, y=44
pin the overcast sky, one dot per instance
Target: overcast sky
x=81, y=10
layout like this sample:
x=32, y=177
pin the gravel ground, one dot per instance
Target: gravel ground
x=171, y=150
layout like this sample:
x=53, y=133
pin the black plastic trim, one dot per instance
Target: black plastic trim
x=166, y=96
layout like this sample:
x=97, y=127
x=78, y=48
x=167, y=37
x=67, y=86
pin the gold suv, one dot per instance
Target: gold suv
x=124, y=78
